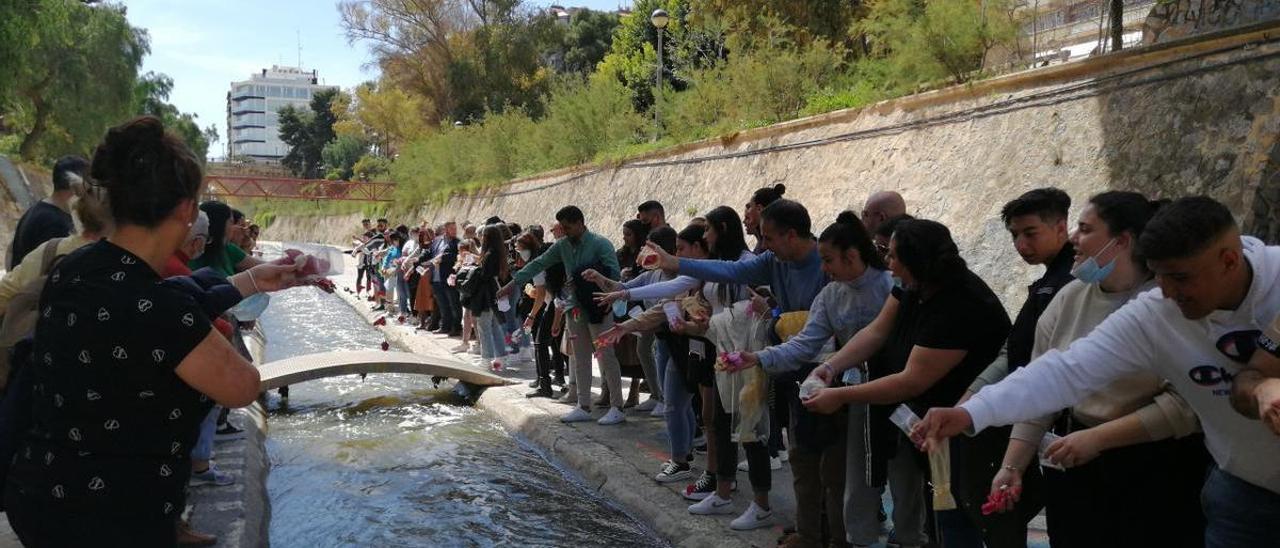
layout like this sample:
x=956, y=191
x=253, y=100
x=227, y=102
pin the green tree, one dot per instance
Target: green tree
x=341, y=155
x=151, y=96
x=929, y=41
x=69, y=72
x=580, y=46
x=307, y=132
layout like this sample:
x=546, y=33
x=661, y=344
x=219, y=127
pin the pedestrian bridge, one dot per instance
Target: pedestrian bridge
x=331, y=364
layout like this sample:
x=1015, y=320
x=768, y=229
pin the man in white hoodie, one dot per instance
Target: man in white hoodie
x=1198, y=330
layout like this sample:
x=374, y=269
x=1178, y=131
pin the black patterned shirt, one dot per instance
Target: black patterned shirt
x=113, y=425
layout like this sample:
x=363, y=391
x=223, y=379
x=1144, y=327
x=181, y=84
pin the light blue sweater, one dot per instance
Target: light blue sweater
x=840, y=311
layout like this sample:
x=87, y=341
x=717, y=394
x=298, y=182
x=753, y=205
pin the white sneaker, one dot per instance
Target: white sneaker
x=577, y=415
x=614, y=416
x=648, y=405
x=713, y=505
x=461, y=349
x=754, y=518
x=659, y=410
x=774, y=464
x=475, y=348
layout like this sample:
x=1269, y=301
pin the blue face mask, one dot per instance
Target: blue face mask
x=251, y=307
x=897, y=282
x=1090, y=272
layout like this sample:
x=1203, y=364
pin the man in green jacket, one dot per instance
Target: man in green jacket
x=578, y=250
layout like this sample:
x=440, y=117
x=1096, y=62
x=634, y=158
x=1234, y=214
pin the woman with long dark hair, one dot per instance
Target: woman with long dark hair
x=126, y=364
x=931, y=339
x=482, y=303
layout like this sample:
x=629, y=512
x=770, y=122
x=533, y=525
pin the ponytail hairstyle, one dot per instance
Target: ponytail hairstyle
x=847, y=233
x=765, y=196
x=693, y=235
x=926, y=249
x=1125, y=211
x=730, y=240
x=146, y=171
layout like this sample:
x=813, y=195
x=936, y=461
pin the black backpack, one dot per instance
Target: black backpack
x=468, y=282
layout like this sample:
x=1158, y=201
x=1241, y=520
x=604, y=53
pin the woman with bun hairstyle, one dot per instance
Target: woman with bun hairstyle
x=860, y=283
x=933, y=336
x=1133, y=456
x=125, y=364
x=760, y=199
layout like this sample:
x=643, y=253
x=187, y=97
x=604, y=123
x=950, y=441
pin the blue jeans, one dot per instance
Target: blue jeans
x=661, y=356
x=203, y=449
x=681, y=423
x=489, y=331
x=1238, y=513
x=402, y=293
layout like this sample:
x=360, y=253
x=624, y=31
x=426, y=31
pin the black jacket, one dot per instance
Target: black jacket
x=584, y=292
x=1023, y=335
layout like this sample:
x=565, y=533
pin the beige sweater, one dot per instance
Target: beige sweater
x=29, y=268
x=1073, y=313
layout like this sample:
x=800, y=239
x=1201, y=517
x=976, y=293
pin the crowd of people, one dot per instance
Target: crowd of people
x=1134, y=398
x=822, y=348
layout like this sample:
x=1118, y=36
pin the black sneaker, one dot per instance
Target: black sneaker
x=673, y=471
x=228, y=432
x=702, y=488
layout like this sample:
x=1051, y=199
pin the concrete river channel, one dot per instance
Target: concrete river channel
x=391, y=460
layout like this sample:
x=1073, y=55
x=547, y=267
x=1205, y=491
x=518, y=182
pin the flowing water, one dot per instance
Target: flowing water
x=392, y=461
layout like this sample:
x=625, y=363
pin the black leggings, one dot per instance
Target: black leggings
x=727, y=453
x=39, y=523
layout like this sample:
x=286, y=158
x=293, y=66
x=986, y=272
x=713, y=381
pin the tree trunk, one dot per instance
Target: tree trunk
x=38, y=127
x=1117, y=24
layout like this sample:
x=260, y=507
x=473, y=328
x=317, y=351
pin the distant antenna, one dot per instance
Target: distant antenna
x=299, y=34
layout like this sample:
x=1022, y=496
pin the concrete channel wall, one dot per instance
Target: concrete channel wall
x=1194, y=116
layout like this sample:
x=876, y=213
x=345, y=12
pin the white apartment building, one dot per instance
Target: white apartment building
x=253, y=125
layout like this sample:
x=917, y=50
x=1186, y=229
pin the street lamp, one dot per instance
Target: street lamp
x=659, y=18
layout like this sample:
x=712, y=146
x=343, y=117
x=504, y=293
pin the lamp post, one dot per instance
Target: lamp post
x=659, y=18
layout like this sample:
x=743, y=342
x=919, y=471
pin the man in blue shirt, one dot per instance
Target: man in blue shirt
x=792, y=269
x=580, y=250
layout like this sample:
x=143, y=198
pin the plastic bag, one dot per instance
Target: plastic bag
x=744, y=393
x=940, y=471
x=319, y=260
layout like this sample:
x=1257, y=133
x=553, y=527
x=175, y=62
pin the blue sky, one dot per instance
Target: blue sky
x=205, y=45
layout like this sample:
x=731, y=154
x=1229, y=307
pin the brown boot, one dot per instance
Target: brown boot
x=190, y=537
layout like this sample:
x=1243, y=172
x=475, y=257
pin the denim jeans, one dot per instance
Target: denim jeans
x=681, y=422
x=1239, y=513
x=402, y=293
x=203, y=449
x=661, y=355
x=489, y=331
x=447, y=305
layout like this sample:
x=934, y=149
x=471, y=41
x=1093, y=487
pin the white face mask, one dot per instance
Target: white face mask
x=525, y=254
